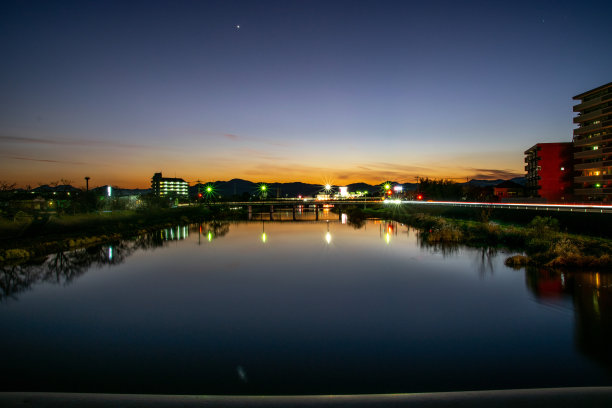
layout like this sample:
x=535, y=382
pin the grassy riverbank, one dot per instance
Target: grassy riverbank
x=30, y=237
x=540, y=239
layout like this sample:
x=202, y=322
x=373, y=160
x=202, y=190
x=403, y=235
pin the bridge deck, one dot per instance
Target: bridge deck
x=578, y=208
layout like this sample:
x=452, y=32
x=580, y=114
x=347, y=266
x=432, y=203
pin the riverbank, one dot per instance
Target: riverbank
x=540, y=241
x=34, y=237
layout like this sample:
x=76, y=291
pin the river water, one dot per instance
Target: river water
x=307, y=307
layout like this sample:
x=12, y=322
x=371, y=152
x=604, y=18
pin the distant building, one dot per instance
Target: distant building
x=593, y=144
x=549, y=169
x=166, y=186
x=508, y=189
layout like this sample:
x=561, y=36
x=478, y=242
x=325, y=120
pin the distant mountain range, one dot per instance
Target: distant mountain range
x=493, y=183
x=239, y=187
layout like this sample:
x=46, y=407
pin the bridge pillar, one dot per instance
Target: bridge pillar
x=293, y=212
x=316, y=212
x=339, y=213
x=250, y=211
x=271, y=212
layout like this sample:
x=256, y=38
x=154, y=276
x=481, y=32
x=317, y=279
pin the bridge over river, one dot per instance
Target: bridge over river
x=319, y=204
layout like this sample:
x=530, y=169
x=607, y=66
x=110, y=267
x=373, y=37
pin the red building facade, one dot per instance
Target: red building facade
x=508, y=189
x=550, y=171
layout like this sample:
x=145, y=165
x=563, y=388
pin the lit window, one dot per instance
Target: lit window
x=562, y=168
x=595, y=147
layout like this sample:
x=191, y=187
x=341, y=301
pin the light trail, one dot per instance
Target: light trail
x=587, y=208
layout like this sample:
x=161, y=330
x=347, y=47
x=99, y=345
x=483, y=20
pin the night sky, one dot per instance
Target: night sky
x=307, y=91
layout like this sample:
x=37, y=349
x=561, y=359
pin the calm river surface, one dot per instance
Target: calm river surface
x=268, y=307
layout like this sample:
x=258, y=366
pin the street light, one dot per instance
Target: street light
x=263, y=191
x=386, y=188
x=209, y=190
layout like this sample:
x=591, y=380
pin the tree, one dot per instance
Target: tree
x=440, y=189
x=6, y=186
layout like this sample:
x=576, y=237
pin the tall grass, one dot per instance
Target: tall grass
x=540, y=239
x=44, y=233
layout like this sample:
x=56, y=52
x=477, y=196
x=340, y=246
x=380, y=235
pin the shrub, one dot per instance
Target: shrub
x=544, y=225
x=517, y=261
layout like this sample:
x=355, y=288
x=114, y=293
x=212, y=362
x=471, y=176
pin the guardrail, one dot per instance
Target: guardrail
x=587, y=208
x=583, y=397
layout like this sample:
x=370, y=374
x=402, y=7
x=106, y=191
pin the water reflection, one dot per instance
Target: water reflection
x=484, y=260
x=65, y=266
x=214, y=229
x=356, y=223
x=264, y=237
x=59, y=268
x=177, y=233
x=447, y=249
x=328, y=237
x=587, y=295
x=591, y=296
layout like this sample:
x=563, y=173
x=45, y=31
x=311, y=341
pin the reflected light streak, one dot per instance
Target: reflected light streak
x=328, y=237
x=264, y=237
x=388, y=237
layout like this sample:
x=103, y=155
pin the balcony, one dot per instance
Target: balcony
x=592, y=191
x=588, y=154
x=593, y=179
x=587, y=166
x=585, y=105
x=588, y=116
x=586, y=129
x=587, y=140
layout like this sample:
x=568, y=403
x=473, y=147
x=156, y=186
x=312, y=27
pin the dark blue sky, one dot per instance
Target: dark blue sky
x=304, y=90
